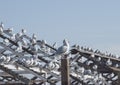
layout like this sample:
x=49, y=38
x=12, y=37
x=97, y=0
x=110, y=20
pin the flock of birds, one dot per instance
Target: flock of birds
x=50, y=53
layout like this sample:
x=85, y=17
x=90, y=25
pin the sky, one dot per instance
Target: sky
x=92, y=23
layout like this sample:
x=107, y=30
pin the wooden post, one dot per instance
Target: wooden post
x=65, y=80
x=118, y=78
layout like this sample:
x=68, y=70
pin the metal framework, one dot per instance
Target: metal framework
x=25, y=60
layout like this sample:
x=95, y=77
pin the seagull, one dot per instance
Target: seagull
x=64, y=49
x=8, y=58
x=76, y=46
x=24, y=43
x=18, y=35
x=43, y=42
x=23, y=31
x=19, y=48
x=75, y=49
x=10, y=30
x=1, y=28
x=6, y=41
x=34, y=36
x=2, y=25
x=2, y=59
x=109, y=62
x=13, y=37
x=33, y=41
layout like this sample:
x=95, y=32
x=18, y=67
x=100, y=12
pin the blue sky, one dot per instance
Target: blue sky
x=93, y=23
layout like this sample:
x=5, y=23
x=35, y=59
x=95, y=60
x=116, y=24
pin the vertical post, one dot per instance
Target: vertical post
x=118, y=78
x=65, y=80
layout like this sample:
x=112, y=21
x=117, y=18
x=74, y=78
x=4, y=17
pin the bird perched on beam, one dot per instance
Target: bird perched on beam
x=62, y=50
x=75, y=49
x=1, y=28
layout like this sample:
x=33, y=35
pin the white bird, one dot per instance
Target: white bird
x=19, y=48
x=8, y=58
x=2, y=25
x=34, y=41
x=10, y=30
x=2, y=59
x=64, y=49
x=109, y=62
x=43, y=42
x=76, y=46
x=24, y=43
x=6, y=41
x=23, y=31
x=13, y=37
x=18, y=35
x=1, y=28
x=34, y=36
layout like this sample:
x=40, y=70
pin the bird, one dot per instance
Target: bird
x=6, y=41
x=109, y=62
x=64, y=49
x=34, y=36
x=33, y=41
x=76, y=46
x=13, y=37
x=19, y=48
x=18, y=35
x=1, y=28
x=24, y=43
x=2, y=25
x=10, y=30
x=54, y=46
x=8, y=58
x=2, y=59
x=23, y=31
x=43, y=42
x=75, y=49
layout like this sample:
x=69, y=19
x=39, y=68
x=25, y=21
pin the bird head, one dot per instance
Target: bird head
x=65, y=42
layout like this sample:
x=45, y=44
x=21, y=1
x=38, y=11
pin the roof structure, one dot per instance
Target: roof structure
x=26, y=60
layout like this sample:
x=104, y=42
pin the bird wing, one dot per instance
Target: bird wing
x=62, y=50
